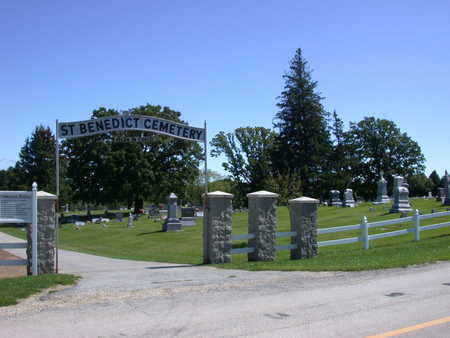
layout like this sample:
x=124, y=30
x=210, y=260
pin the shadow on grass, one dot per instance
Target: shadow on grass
x=149, y=233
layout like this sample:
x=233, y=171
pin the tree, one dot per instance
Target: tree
x=419, y=185
x=435, y=182
x=338, y=174
x=379, y=145
x=37, y=160
x=104, y=170
x=248, y=151
x=303, y=143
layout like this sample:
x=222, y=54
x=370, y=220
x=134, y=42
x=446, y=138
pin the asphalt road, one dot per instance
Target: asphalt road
x=120, y=298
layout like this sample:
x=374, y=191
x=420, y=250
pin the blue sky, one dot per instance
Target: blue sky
x=223, y=62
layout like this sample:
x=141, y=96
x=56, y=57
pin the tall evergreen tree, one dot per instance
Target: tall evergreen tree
x=37, y=160
x=303, y=142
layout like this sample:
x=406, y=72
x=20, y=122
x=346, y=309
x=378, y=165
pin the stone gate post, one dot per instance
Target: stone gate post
x=262, y=222
x=217, y=228
x=46, y=240
x=303, y=214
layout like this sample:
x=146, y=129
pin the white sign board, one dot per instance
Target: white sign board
x=130, y=122
x=15, y=207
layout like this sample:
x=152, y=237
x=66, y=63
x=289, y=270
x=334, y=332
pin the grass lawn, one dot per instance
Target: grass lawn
x=13, y=289
x=146, y=241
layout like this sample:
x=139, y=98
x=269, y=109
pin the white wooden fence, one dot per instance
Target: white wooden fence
x=250, y=236
x=365, y=238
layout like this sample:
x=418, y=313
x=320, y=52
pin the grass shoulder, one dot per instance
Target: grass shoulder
x=14, y=289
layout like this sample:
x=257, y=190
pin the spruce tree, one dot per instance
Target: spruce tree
x=37, y=160
x=303, y=143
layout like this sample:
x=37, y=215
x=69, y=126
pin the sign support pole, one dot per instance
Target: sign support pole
x=57, y=199
x=34, y=251
x=206, y=161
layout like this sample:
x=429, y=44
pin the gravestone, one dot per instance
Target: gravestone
x=446, y=200
x=382, y=196
x=335, y=198
x=401, y=196
x=119, y=217
x=172, y=223
x=349, y=201
x=130, y=221
x=441, y=195
x=188, y=217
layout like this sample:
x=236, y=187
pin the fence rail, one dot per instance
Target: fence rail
x=365, y=226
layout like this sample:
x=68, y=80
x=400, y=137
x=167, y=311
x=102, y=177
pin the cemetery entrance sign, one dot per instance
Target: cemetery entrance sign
x=21, y=207
x=130, y=122
x=127, y=122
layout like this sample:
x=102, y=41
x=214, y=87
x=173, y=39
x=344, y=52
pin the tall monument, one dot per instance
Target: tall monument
x=382, y=196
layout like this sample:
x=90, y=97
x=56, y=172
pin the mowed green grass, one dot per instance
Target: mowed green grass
x=147, y=242
x=13, y=289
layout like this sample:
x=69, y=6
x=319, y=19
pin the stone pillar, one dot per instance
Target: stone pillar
x=46, y=240
x=217, y=242
x=172, y=223
x=303, y=214
x=262, y=222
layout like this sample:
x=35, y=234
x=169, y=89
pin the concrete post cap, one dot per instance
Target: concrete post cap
x=303, y=199
x=43, y=195
x=219, y=194
x=262, y=193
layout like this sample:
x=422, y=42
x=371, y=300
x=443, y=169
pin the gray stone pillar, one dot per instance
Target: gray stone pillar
x=46, y=234
x=172, y=223
x=262, y=222
x=303, y=214
x=217, y=228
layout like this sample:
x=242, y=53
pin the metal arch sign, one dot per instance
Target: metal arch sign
x=130, y=122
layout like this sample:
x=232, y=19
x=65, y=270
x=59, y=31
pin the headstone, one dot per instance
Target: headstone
x=119, y=217
x=401, y=196
x=188, y=216
x=130, y=220
x=172, y=223
x=382, y=196
x=446, y=189
x=349, y=201
x=335, y=198
x=430, y=194
x=441, y=195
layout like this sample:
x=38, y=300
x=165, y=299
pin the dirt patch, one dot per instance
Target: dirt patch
x=11, y=271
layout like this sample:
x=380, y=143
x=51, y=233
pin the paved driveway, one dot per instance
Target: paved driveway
x=121, y=298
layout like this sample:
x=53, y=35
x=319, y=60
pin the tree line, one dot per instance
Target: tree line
x=307, y=152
